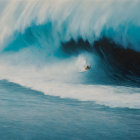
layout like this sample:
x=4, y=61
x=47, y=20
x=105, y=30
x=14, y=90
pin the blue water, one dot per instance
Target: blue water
x=30, y=115
x=45, y=92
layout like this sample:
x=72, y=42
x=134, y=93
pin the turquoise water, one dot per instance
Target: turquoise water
x=30, y=115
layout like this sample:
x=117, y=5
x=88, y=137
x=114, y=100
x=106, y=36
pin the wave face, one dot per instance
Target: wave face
x=45, y=44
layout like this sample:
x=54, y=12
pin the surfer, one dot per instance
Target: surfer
x=87, y=67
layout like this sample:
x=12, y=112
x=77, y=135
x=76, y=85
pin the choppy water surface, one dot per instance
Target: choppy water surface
x=29, y=115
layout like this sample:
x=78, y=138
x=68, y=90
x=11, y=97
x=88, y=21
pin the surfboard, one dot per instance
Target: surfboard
x=83, y=70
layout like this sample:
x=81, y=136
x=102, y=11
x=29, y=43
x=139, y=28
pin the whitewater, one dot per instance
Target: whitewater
x=32, y=54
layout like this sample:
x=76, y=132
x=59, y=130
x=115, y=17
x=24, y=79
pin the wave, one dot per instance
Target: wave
x=50, y=27
x=45, y=44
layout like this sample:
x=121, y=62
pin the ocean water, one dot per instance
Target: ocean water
x=45, y=93
x=30, y=115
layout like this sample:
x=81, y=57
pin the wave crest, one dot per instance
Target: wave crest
x=70, y=19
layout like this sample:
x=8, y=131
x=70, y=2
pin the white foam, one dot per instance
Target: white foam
x=62, y=79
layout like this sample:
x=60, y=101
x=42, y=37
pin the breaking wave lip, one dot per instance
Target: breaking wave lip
x=70, y=19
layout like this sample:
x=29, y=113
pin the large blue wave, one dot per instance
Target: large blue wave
x=61, y=29
x=45, y=44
